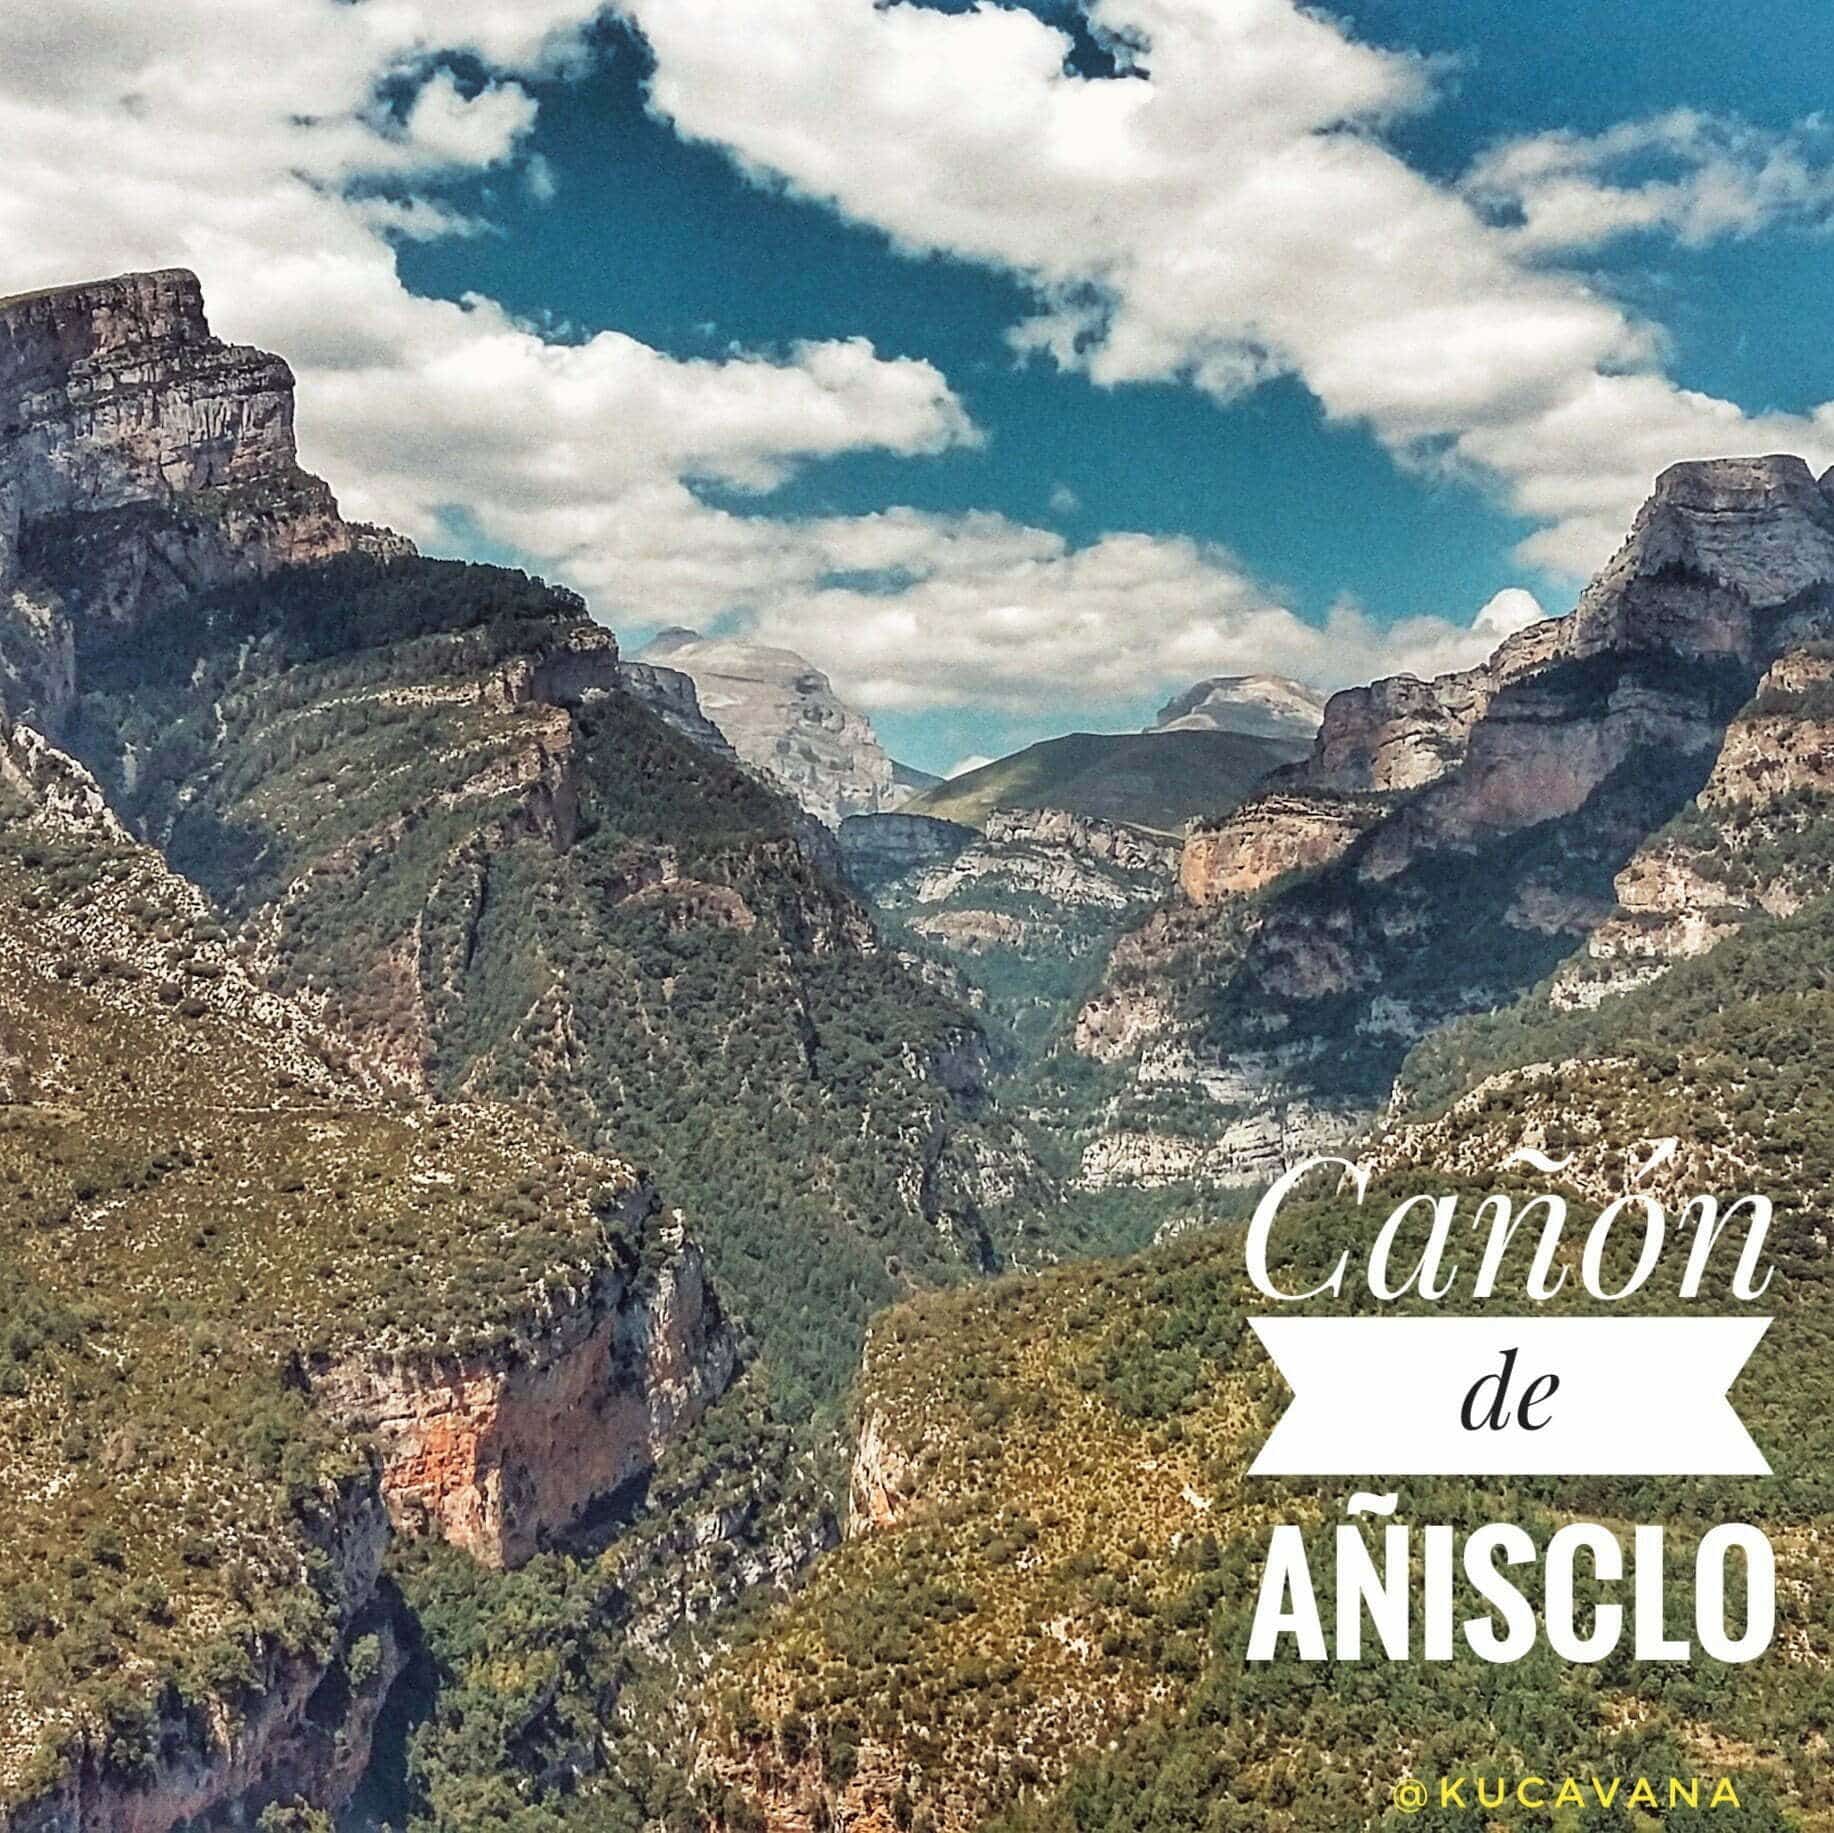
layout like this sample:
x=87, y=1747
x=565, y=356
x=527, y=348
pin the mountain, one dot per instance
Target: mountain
x=426, y=805
x=563, y=954
x=1263, y=706
x=484, y=1195
x=1038, y=1618
x=783, y=718
x=1449, y=843
x=910, y=781
x=266, y=1315
x=1154, y=780
x=1024, y=909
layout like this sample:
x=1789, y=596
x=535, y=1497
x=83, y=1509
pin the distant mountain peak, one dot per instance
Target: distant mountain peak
x=1261, y=706
x=783, y=717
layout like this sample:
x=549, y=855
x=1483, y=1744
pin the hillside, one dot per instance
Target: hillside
x=423, y=825
x=1011, y=1630
x=249, y=1292
x=1154, y=780
x=421, y=795
x=1448, y=844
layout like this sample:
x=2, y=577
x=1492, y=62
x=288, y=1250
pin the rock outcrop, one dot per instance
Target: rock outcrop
x=502, y=1452
x=1278, y=833
x=879, y=849
x=670, y=695
x=142, y=458
x=882, y=1485
x=1449, y=842
x=328, y=1246
x=784, y=719
x=1746, y=846
x=1039, y=891
x=306, y=1733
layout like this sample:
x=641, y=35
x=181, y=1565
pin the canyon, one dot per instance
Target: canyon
x=475, y=1109
x=428, y=919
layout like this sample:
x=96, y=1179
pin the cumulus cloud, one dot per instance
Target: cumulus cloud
x=1224, y=212
x=276, y=150
x=1508, y=610
x=1227, y=216
x=1698, y=176
x=1017, y=619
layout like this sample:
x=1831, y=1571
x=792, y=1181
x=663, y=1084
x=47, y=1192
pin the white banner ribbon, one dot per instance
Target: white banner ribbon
x=1636, y=1396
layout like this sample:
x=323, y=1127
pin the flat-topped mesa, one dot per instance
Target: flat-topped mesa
x=141, y=457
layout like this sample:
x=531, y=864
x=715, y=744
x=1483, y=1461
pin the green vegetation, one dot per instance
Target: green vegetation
x=1154, y=780
x=1053, y=1632
x=416, y=790
x=200, y=1212
x=546, y=1690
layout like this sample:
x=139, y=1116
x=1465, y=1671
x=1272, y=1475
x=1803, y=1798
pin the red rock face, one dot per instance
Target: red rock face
x=1264, y=840
x=882, y=1489
x=497, y=1453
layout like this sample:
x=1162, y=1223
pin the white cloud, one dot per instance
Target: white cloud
x=1715, y=178
x=1016, y=619
x=1508, y=610
x=247, y=143
x=1229, y=215
x=963, y=765
x=449, y=128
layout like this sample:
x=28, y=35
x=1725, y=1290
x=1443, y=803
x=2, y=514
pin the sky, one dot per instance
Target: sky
x=1017, y=365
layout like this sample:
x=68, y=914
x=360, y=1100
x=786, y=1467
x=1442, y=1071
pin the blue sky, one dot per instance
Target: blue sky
x=671, y=242
x=1017, y=367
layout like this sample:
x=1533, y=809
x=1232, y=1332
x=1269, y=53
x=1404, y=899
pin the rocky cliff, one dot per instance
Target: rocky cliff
x=1752, y=842
x=671, y=696
x=227, y=1245
x=1021, y=906
x=877, y=850
x=141, y=457
x=1041, y=1617
x=340, y=1123
x=502, y=1451
x=783, y=718
x=1449, y=842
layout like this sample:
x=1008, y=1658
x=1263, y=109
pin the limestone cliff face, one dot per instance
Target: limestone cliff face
x=882, y=1486
x=1040, y=884
x=671, y=695
x=1283, y=831
x=784, y=719
x=141, y=457
x=499, y=1453
x=1744, y=847
x=1449, y=842
x=878, y=849
x=306, y=1734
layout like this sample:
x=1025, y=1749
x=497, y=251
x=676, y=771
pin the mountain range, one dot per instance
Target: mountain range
x=577, y=1258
